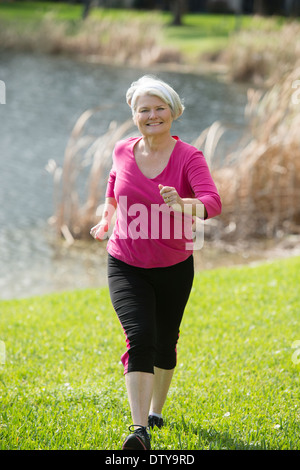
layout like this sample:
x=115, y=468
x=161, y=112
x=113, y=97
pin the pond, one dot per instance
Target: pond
x=44, y=98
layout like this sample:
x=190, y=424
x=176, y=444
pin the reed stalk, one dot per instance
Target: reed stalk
x=261, y=189
x=87, y=162
x=262, y=56
x=135, y=42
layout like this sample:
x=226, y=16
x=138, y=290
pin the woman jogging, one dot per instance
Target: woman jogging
x=158, y=183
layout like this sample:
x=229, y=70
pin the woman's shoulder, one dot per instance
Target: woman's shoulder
x=126, y=143
x=187, y=150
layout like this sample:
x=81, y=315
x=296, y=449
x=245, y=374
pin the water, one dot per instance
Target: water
x=44, y=98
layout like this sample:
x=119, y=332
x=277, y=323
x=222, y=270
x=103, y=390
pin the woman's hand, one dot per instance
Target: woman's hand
x=109, y=207
x=171, y=197
x=99, y=230
x=189, y=206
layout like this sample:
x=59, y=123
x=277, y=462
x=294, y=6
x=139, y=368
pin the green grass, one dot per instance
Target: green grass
x=26, y=11
x=206, y=33
x=236, y=384
x=200, y=33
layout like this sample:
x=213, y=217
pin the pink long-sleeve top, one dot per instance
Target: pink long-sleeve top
x=147, y=232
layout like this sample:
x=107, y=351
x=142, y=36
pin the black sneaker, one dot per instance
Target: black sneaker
x=155, y=421
x=139, y=439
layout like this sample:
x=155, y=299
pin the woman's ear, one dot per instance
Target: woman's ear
x=134, y=120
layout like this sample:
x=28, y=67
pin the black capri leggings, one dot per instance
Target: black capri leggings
x=150, y=305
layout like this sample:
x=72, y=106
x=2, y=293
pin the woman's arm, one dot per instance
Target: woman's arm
x=99, y=230
x=190, y=206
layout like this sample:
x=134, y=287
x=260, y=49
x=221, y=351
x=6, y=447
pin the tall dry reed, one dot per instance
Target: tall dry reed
x=263, y=55
x=79, y=185
x=261, y=189
x=136, y=42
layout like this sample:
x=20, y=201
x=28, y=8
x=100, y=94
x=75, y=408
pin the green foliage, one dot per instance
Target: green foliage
x=236, y=385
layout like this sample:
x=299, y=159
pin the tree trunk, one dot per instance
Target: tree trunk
x=177, y=7
x=260, y=7
x=86, y=8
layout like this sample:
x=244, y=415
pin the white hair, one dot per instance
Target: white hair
x=148, y=85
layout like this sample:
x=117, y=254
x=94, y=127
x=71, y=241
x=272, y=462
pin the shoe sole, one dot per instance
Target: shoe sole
x=130, y=446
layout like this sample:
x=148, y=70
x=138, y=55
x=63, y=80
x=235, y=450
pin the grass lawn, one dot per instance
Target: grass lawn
x=236, y=385
x=200, y=33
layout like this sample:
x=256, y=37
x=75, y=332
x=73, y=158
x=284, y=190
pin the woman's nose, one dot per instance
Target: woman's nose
x=152, y=114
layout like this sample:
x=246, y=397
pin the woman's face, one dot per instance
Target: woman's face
x=153, y=116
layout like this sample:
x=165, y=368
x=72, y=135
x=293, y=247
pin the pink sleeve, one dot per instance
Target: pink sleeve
x=110, y=192
x=203, y=185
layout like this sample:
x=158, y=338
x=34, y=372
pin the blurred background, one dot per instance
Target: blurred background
x=64, y=71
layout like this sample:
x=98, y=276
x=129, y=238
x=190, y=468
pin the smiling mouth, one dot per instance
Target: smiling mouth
x=154, y=124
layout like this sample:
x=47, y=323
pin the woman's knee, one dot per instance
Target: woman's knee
x=140, y=354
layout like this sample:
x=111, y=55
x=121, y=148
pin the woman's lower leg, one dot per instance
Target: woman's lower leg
x=161, y=385
x=139, y=389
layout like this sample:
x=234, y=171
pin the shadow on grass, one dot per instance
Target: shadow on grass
x=212, y=439
x=216, y=440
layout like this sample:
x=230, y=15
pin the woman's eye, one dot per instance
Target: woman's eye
x=147, y=110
